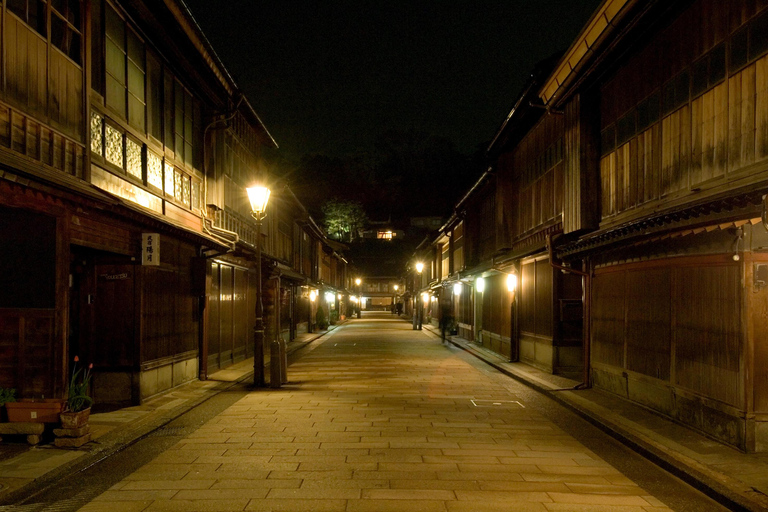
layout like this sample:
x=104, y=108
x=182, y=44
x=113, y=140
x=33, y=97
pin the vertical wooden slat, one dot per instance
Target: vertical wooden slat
x=685, y=148
x=735, y=121
x=707, y=135
x=721, y=129
x=761, y=108
x=697, y=157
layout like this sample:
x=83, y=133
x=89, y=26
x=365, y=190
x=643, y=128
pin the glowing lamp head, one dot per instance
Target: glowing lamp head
x=396, y=287
x=358, y=281
x=480, y=284
x=258, y=196
x=329, y=297
x=512, y=282
x=425, y=298
x=312, y=296
x=419, y=267
x=457, y=288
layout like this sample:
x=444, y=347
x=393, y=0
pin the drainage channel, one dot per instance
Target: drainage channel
x=71, y=492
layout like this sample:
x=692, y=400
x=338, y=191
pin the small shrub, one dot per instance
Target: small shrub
x=7, y=395
x=320, y=320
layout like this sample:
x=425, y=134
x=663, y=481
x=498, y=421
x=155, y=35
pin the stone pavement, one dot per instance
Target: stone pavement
x=738, y=479
x=22, y=465
x=379, y=418
x=340, y=440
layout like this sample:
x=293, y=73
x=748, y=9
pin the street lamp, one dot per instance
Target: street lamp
x=258, y=196
x=358, y=281
x=513, y=341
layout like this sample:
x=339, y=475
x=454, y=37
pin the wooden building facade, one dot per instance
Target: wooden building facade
x=628, y=190
x=125, y=150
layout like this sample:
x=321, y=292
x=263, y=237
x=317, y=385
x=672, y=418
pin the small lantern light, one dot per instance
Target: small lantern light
x=358, y=281
x=419, y=267
x=480, y=284
x=457, y=288
x=312, y=295
x=425, y=298
x=511, y=282
x=396, y=287
x=329, y=297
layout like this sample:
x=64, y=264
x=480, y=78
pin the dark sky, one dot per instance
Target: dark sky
x=328, y=76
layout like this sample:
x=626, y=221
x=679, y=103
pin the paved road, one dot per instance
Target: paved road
x=378, y=417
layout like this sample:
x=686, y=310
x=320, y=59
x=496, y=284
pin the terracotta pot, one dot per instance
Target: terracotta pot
x=75, y=419
x=35, y=411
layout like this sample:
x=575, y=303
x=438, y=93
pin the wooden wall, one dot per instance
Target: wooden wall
x=530, y=181
x=676, y=320
x=42, y=81
x=688, y=113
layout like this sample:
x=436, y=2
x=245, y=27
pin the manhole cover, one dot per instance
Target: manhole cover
x=498, y=403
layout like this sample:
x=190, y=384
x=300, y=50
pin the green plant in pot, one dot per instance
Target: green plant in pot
x=6, y=395
x=77, y=408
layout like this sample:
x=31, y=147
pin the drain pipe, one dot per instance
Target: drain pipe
x=586, y=290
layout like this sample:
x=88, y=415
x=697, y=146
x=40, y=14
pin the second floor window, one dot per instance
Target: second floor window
x=125, y=71
x=31, y=12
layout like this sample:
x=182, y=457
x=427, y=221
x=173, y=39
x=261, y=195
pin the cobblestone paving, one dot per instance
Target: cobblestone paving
x=379, y=418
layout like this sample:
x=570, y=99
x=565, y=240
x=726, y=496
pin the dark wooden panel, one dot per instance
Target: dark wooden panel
x=608, y=309
x=27, y=351
x=648, y=322
x=214, y=318
x=707, y=331
x=544, y=301
x=527, y=298
x=240, y=298
x=113, y=337
x=226, y=315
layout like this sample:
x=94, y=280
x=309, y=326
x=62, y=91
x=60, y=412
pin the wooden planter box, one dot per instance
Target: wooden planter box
x=34, y=411
x=73, y=420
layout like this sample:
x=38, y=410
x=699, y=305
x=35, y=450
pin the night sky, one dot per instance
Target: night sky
x=328, y=77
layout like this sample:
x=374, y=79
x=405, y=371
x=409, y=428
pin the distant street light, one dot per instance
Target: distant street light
x=358, y=282
x=258, y=196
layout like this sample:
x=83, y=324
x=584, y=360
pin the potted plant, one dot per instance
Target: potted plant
x=6, y=395
x=77, y=407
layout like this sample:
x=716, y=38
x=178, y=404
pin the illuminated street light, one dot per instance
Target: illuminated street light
x=358, y=282
x=457, y=289
x=258, y=196
x=480, y=285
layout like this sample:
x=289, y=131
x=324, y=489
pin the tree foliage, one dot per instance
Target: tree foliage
x=344, y=220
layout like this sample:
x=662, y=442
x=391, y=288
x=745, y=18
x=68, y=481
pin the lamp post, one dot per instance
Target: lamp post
x=513, y=341
x=358, y=282
x=258, y=196
x=394, y=301
x=417, y=306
